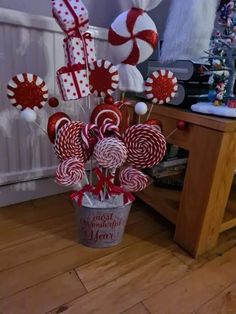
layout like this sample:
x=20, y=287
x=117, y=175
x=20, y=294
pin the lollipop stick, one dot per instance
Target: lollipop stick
x=91, y=170
x=171, y=133
x=150, y=111
x=122, y=97
x=44, y=131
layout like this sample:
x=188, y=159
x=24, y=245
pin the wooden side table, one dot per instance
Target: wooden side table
x=200, y=215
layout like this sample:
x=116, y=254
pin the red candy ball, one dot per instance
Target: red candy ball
x=53, y=102
x=109, y=100
x=181, y=125
x=154, y=122
x=55, y=122
x=105, y=113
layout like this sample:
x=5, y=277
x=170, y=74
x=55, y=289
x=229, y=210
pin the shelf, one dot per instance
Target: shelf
x=164, y=201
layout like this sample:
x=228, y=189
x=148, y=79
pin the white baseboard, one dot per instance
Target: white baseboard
x=25, y=191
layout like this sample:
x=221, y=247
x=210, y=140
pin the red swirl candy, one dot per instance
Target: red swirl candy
x=133, y=180
x=145, y=144
x=27, y=91
x=69, y=142
x=55, y=122
x=103, y=78
x=70, y=171
x=105, y=113
x=161, y=86
x=110, y=153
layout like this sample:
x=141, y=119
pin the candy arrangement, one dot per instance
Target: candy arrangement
x=102, y=160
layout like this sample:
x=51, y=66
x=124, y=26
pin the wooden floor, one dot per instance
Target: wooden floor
x=44, y=270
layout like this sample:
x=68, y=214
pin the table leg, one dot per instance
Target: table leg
x=209, y=175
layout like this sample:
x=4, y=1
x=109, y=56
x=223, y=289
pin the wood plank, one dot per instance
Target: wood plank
x=34, y=211
x=44, y=296
x=202, y=205
x=196, y=288
x=223, y=303
x=44, y=268
x=36, y=248
x=50, y=243
x=137, y=309
x=211, y=122
x=112, y=266
x=131, y=288
x=36, y=230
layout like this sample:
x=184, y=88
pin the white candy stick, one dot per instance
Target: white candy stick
x=44, y=131
x=150, y=111
x=85, y=194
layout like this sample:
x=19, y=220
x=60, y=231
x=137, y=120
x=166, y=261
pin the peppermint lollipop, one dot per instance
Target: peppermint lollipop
x=145, y=144
x=133, y=180
x=27, y=91
x=55, y=122
x=105, y=113
x=70, y=171
x=70, y=144
x=103, y=78
x=110, y=153
x=161, y=86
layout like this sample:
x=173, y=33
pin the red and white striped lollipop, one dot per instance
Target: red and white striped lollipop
x=110, y=153
x=145, y=144
x=161, y=86
x=103, y=78
x=70, y=144
x=55, y=122
x=105, y=113
x=133, y=180
x=27, y=91
x=70, y=171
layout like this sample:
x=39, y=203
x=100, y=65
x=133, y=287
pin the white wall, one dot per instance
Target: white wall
x=102, y=12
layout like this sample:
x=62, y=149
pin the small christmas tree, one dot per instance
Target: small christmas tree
x=222, y=55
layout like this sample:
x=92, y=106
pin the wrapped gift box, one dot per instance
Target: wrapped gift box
x=77, y=49
x=71, y=15
x=73, y=82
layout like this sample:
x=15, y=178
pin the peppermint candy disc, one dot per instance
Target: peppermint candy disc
x=70, y=144
x=133, y=37
x=55, y=122
x=103, y=114
x=103, y=78
x=133, y=180
x=110, y=153
x=70, y=171
x=145, y=144
x=27, y=91
x=161, y=86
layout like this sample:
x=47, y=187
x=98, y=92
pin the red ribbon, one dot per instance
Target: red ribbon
x=112, y=189
x=78, y=195
x=148, y=36
x=74, y=15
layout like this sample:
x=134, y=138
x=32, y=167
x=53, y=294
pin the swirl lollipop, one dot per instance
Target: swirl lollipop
x=103, y=78
x=70, y=144
x=70, y=171
x=105, y=113
x=27, y=91
x=110, y=153
x=145, y=144
x=133, y=180
x=161, y=86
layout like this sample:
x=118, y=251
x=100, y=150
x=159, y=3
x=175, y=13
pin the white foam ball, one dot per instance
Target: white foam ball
x=141, y=108
x=28, y=115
